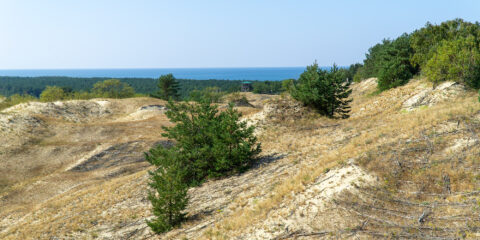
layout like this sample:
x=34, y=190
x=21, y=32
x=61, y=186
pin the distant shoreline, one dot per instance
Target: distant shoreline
x=250, y=73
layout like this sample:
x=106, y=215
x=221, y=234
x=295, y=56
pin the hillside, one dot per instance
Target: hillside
x=405, y=164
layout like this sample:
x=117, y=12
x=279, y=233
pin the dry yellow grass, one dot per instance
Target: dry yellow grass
x=409, y=152
x=377, y=121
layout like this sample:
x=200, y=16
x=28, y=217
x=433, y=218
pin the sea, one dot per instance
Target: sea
x=262, y=74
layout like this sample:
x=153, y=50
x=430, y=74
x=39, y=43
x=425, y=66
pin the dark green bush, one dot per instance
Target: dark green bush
x=326, y=91
x=395, y=67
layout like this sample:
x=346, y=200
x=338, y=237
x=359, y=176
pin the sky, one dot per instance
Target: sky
x=68, y=34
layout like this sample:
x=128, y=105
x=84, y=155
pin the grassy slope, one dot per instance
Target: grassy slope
x=411, y=153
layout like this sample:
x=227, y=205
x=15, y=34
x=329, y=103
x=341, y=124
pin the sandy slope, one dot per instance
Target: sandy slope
x=371, y=176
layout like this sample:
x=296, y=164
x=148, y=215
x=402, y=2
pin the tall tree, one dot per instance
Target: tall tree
x=326, y=91
x=395, y=66
x=168, y=87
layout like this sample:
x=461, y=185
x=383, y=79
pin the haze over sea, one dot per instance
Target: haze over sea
x=263, y=74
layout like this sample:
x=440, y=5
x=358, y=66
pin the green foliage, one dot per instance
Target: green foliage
x=52, y=93
x=267, y=87
x=112, y=88
x=389, y=61
x=84, y=95
x=353, y=69
x=35, y=85
x=169, y=198
x=209, y=144
x=349, y=73
x=287, y=85
x=238, y=99
x=449, y=51
x=168, y=87
x=426, y=40
x=326, y=91
x=211, y=94
x=457, y=60
x=214, y=144
x=395, y=67
x=359, y=75
x=374, y=59
x=14, y=100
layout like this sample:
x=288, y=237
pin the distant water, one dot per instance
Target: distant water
x=278, y=73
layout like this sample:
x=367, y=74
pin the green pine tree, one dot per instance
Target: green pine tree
x=213, y=144
x=326, y=91
x=234, y=144
x=169, y=198
x=168, y=88
x=208, y=144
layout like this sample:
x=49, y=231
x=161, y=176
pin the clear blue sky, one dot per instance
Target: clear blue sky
x=209, y=33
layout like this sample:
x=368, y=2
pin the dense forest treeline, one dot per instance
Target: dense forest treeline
x=449, y=51
x=35, y=85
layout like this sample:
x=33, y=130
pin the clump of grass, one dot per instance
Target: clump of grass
x=7, y=102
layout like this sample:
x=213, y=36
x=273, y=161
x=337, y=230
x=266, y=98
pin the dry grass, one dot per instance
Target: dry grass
x=377, y=131
x=409, y=152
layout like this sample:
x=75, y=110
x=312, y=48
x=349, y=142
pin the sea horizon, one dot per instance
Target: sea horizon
x=230, y=73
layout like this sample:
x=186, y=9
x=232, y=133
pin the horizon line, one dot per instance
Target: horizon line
x=143, y=68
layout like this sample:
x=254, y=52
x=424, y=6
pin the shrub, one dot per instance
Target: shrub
x=323, y=90
x=209, y=144
x=211, y=94
x=15, y=99
x=267, y=87
x=448, y=51
x=457, y=60
x=238, y=100
x=113, y=88
x=359, y=75
x=425, y=41
x=52, y=93
x=82, y=95
x=287, y=84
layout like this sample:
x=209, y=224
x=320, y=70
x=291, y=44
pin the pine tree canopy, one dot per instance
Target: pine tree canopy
x=326, y=91
x=168, y=88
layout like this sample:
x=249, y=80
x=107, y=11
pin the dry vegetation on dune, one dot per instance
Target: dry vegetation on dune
x=81, y=176
x=404, y=165
x=424, y=162
x=66, y=148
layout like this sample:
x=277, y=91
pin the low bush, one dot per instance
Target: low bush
x=14, y=100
